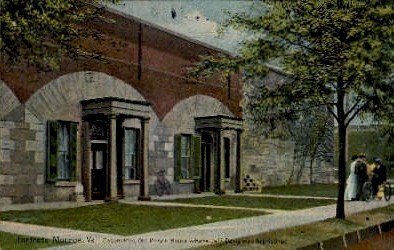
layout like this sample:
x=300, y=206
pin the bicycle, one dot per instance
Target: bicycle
x=367, y=191
x=387, y=190
x=162, y=185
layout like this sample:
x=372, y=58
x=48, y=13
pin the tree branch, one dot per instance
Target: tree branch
x=356, y=113
x=329, y=108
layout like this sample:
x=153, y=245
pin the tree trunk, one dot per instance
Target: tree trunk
x=340, y=213
x=341, y=119
x=311, y=171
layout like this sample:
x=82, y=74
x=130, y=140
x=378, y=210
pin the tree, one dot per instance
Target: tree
x=40, y=32
x=332, y=52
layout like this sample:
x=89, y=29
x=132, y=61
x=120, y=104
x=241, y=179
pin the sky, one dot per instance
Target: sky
x=196, y=19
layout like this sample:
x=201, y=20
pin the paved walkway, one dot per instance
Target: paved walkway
x=207, y=194
x=285, y=196
x=174, y=204
x=183, y=238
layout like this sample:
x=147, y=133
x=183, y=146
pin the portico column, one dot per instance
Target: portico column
x=86, y=151
x=238, y=188
x=220, y=178
x=113, y=189
x=144, y=192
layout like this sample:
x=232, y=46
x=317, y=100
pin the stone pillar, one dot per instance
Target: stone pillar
x=86, y=172
x=144, y=175
x=238, y=172
x=222, y=166
x=112, y=193
x=220, y=178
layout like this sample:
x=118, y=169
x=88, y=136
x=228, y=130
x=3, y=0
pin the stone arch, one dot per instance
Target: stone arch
x=8, y=100
x=60, y=98
x=181, y=117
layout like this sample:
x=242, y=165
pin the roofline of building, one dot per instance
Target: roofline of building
x=168, y=31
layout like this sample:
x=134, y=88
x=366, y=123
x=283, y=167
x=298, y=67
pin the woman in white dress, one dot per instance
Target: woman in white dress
x=351, y=183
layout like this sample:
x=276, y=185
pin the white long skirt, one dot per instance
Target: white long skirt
x=351, y=187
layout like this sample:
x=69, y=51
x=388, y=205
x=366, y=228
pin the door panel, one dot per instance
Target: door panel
x=206, y=162
x=98, y=170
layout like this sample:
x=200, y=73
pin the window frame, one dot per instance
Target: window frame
x=193, y=158
x=137, y=153
x=60, y=152
x=70, y=150
x=189, y=157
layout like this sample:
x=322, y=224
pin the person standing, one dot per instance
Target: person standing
x=361, y=172
x=351, y=182
x=379, y=175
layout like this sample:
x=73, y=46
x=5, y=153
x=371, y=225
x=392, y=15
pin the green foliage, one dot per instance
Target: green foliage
x=40, y=32
x=327, y=51
x=371, y=142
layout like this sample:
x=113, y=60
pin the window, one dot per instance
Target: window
x=62, y=151
x=131, y=154
x=187, y=156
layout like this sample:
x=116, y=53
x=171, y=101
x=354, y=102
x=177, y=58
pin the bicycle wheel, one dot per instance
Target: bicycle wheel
x=387, y=191
x=367, y=191
x=167, y=187
x=158, y=188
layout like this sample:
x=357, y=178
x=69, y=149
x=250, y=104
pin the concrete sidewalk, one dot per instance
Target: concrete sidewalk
x=188, y=237
x=208, y=194
x=285, y=196
x=174, y=204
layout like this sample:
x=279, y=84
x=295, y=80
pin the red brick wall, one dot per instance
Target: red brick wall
x=165, y=58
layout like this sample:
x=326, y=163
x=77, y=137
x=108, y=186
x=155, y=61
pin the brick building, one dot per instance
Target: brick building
x=107, y=128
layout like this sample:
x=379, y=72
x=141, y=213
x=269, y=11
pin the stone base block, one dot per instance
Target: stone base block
x=314, y=246
x=387, y=226
x=369, y=232
x=351, y=238
x=5, y=200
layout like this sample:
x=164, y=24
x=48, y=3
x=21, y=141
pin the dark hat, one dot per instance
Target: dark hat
x=378, y=160
x=362, y=155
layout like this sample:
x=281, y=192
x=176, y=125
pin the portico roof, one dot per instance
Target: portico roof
x=218, y=122
x=108, y=106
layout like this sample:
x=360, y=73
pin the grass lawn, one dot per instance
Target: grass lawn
x=299, y=236
x=10, y=241
x=256, y=202
x=124, y=219
x=315, y=190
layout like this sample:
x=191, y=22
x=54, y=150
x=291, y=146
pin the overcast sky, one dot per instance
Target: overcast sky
x=197, y=19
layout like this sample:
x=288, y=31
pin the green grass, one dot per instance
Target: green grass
x=124, y=219
x=299, y=236
x=315, y=190
x=256, y=202
x=10, y=241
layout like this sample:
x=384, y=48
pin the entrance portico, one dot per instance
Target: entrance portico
x=108, y=158
x=217, y=151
